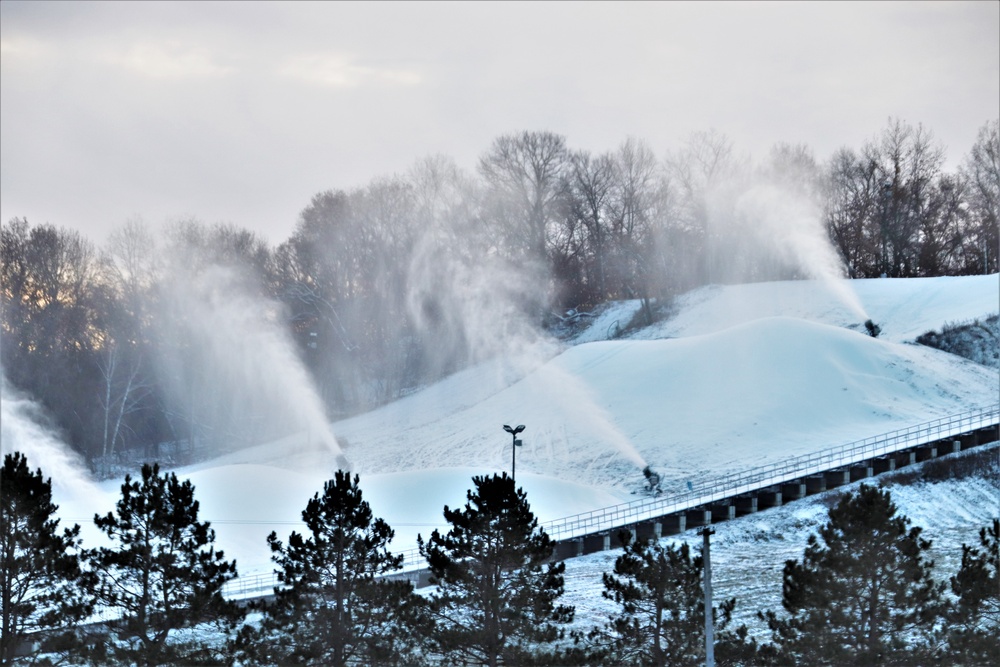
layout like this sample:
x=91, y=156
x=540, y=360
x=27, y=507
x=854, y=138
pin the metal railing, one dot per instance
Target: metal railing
x=250, y=586
x=713, y=489
x=755, y=479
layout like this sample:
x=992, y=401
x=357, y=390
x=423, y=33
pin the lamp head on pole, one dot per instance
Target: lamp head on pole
x=515, y=430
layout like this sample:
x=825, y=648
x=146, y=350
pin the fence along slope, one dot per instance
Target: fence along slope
x=717, y=488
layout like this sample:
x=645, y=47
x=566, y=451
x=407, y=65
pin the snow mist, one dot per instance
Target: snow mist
x=480, y=309
x=589, y=420
x=769, y=227
x=792, y=225
x=232, y=370
x=25, y=428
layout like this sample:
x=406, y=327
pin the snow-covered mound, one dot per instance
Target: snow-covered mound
x=750, y=394
x=750, y=374
x=903, y=307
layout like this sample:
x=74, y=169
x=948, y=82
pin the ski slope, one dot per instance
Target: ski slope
x=739, y=376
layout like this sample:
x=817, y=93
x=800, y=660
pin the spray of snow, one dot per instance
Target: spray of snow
x=572, y=398
x=483, y=310
x=791, y=226
x=232, y=369
x=472, y=308
x=26, y=428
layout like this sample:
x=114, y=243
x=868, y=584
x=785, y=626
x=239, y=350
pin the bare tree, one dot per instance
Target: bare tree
x=699, y=172
x=982, y=175
x=942, y=234
x=124, y=390
x=907, y=161
x=591, y=186
x=641, y=212
x=525, y=170
x=132, y=262
x=130, y=269
x=852, y=201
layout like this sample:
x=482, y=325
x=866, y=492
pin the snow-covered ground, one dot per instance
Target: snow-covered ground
x=749, y=553
x=739, y=376
x=904, y=308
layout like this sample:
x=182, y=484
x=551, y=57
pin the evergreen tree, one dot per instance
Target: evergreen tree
x=162, y=574
x=658, y=588
x=496, y=597
x=974, y=620
x=337, y=607
x=40, y=578
x=863, y=592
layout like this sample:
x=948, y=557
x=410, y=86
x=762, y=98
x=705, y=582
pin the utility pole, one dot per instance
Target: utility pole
x=709, y=621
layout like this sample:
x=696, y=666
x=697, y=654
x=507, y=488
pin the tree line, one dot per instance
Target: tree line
x=862, y=593
x=392, y=285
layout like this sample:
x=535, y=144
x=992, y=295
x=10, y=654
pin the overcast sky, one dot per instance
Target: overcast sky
x=240, y=112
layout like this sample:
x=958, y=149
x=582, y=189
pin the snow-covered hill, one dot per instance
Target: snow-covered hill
x=739, y=376
x=904, y=308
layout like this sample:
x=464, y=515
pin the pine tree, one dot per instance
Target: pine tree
x=863, y=592
x=162, y=574
x=974, y=620
x=41, y=583
x=658, y=588
x=336, y=607
x=496, y=597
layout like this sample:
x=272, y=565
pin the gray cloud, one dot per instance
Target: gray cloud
x=242, y=111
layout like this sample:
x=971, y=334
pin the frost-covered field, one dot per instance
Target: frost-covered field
x=737, y=377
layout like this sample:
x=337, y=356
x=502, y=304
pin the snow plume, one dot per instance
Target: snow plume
x=26, y=428
x=580, y=412
x=472, y=308
x=761, y=229
x=469, y=309
x=231, y=369
x=481, y=309
x=793, y=225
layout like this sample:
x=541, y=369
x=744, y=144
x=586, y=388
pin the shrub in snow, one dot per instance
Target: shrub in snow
x=978, y=340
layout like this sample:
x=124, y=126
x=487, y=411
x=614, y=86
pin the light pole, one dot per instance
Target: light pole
x=513, y=448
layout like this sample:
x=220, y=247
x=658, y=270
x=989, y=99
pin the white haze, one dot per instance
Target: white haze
x=485, y=308
x=790, y=225
x=26, y=428
x=770, y=227
x=232, y=369
x=472, y=308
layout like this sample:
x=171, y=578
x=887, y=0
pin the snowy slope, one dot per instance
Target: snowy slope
x=903, y=307
x=752, y=373
x=598, y=412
